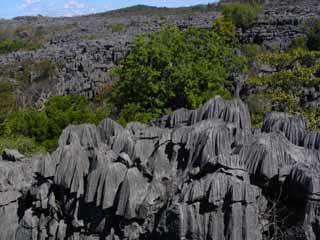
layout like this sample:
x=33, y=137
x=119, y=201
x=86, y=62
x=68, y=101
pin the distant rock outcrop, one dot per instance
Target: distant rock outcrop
x=84, y=49
x=200, y=174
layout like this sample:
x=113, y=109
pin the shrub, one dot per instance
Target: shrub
x=251, y=51
x=132, y=113
x=242, y=14
x=46, y=126
x=118, y=28
x=9, y=45
x=28, y=123
x=295, y=70
x=225, y=27
x=64, y=110
x=7, y=106
x=172, y=69
x=299, y=42
x=259, y=104
x=313, y=34
x=102, y=104
x=26, y=146
x=313, y=117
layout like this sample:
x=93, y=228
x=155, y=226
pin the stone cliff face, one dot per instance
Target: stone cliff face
x=200, y=174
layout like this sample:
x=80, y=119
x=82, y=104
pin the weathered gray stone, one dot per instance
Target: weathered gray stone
x=11, y=155
x=205, y=178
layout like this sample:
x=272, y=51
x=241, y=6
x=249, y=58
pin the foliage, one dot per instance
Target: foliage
x=8, y=45
x=259, y=104
x=118, y=28
x=21, y=71
x=46, y=126
x=26, y=146
x=242, y=14
x=296, y=70
x=7, y=106
x=288, y=59
x=313, y=34
x=102, y=104
x=313, y=117
x=25, y=36
x=225, y=28
x=132, y=113
x=299, y=42
x=172, y=69
x=251, y=51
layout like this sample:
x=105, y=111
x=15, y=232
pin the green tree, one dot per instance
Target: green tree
x=171, y=68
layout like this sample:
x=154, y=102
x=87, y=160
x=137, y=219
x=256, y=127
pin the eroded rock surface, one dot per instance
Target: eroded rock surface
x=194, y=175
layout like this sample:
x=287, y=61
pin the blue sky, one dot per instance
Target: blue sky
x=12, y=8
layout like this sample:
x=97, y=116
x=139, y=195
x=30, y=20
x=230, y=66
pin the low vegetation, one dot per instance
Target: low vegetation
x=8, y=105
x=14, y=38
x=8, y=45
x=313, y=34
x=295, y=71
x=41, y=129
x=171, y=69
x=243, y=15
x=118, y=28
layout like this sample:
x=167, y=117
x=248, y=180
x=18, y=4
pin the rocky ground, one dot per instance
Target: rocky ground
x=193, y=174
x=200, y=174
x=84, y=49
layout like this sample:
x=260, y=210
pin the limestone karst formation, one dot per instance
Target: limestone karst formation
x=193, y=174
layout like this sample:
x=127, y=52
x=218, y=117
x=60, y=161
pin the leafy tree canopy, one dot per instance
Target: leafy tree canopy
x=172, y=68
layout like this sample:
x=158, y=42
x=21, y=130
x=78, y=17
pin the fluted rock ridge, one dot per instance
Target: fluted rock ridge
x=193, y=174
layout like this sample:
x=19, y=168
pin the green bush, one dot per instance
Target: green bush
x=102, y=104
x=313, y=34
x=171, y=68
x=299, y=42
x=46, y=126
x=118, y=28
x=283, y=90
x=9, y=45
x=132, y=113
x=225, y=28
x=24, y=145
x=313, y=117
x=8, y=105
x=251, y=51
x=259, y=104
x=242, y=14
